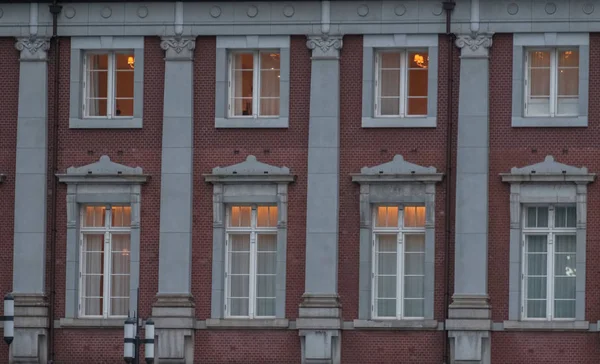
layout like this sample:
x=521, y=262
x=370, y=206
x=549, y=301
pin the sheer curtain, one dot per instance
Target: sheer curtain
x=93, y=274
x=386, y=269
x=389, y=83
x=536, y=269
x=539, y=83
x=564, y=276
x=120, y=272
x=414, y=275
x=269, y=83
x=568, y=82
x=239, y=274
x=266, y=274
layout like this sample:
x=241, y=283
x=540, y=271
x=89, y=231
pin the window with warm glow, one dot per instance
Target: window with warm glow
x=398, y=262
x=401, y=81
x=549, y=262
x=108, y=84
x=251, y=262
x=105, y=246
x=552, y=82
x=254, y=86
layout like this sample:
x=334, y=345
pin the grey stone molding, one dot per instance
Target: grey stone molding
x=546, y=326
x=547, y=182
x=248, y=182
x=33, y=48
x=31, y=329
x=102, y=182
x=395, y=182
x=178, y=48
x=325, y=45
x=418, y=325
x=259, y=324
x=474, y=46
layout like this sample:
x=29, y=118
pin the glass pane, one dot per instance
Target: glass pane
x=240, y=216
x=418, y=60
x=243, y=61
x=267, y=243
x=568, y=58
x=269, y=83
x=387, y=243
x=125, y=61
x=390, y=59
x=386, y=308
x=97, y=62
x=389, y=83
x=538, y=106
x=242, y=107
x=240, y=286
x=414, y=308
x=539, y=59
x=560, y=217
x=124, y=107
x=242, y=81
x=568, y=82
x=564, y=265
x=536, y=309
x=389, y=106
x=413, y=287
x=238, y=306
x=566, y=244
x=542, y=217
x=92, y=306
x=417, y=82
x=239, y=263
x=93, y=286
x=121, y=216
x=240, y=243
x=121, y=243
x=564, y=309
x=531, y=216
x=537, y=243
x=387, y=263
x=269, y=107
x=266, y=263
x=414, y=242
x=417, y=106
x=124, y=84
x=265, y=307
x=94, y=216
x=571, y=216
x=119, y=286
x=270, y=60
x=540, y=82
x=265, y=286
x=568, y=105
x=97, y=93
x=94, y=243
x=119, y=306
x=564, y=287
x=387, y=216
x=536, y=287
x=386, y=287
x=414, y=263
x=537, y=264
x=267, y=216
x=414, y=216
x=120, y=263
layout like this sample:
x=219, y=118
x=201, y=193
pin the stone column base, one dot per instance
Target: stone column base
x=174, y=321
x=30, y=344
x=469, y=325
x=319, y=325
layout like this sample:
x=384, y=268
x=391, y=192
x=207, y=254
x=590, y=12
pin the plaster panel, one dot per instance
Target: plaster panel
x=31, y=132
x=29, y=251
x=177, y=160
x=174, y=270
x=178, y=99
x=325, y=132
x=321, y=262
x=322, y=204
x=470, y=250
x=175, y=203
x=30, y=202
x=471, y=204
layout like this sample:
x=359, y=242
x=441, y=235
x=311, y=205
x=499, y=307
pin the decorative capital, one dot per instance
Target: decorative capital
x=325, y=46
x=32, y=48
x=178, y=48
x=474, y=46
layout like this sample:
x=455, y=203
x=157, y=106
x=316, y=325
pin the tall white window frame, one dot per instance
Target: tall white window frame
x=111, y=93
x=401, y=230
x=534, y=104
x=551, y=228
x=254, y=251
x=403, y=92
x=107, y=232
x=257, y=71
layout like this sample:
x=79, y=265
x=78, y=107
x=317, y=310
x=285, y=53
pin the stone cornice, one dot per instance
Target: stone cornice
x=325, y=46
x=178, y=48
x=474, y=45
x=33, y=48
x=548, y=171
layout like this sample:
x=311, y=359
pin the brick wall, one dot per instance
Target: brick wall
x=141, y=147
x=9, y=89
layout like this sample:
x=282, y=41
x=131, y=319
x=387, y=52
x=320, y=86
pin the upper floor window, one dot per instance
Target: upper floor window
x=401, y=83
x=398, y=262
x=251, y=262
x=105, y=245
x=552, y=82
x=549, y=262
x=108, y=84
x=254, y=86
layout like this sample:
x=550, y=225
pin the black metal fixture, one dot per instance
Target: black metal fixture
x=132, y=341
x=9, y=318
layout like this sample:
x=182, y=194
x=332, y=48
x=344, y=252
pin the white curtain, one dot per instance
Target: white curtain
x=93, y=90
x=564, y=276
x=92, y=274
x=414, y=275
x=568, y=82
x=386, y=275
x=239, y=274
x=120, y=266
x=269, y=83
x=266, y=274
x=389, y=83
x=539, y=78
x=536, y=269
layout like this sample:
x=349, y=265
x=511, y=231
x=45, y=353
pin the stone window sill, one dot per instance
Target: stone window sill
x=243, y=324
x=130, y=123
x=547, y=325
x=396, y=324
x=422, y=122
x=547, y=122
x=90, y=323
x=250, y=123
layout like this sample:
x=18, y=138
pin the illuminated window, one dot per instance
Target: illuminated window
x=401, y=82
x=105, y=261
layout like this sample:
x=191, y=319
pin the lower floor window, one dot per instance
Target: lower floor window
x=105, y=261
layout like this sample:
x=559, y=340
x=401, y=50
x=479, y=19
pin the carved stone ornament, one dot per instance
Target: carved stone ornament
x=31, y=46
x=325, y=44
x=474, y=45
x=178, y=44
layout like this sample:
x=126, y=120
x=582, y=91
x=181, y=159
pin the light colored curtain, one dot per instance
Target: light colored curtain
x=539, y=78
x=120, y=272
x=414, y=275
x=386, y=263
x=568, y=82
x=536, y=270
x=389, y=83
x=269, y=83
x=93, y=88
x=266, y=274
x=565, y=217
x=564, y=276
x=93, y=274
x=239, y=274
x=243, y=79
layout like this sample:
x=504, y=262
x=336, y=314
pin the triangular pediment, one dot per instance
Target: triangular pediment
x=104, y=167
x=250, y=167
x=549, y=166
x=548, y=171
x=398, y=166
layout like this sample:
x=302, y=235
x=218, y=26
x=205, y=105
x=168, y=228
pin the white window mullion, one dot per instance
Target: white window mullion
x=553, y=82
x=107, y=263
x=256, y=86
x=524, y=313
x=86, y=82
x=230, y=85
x=227, y=277
x=375, y=267
x=377, y=87
x=400, y=277
x=403, y=79
x=527, y=83
x=82, y=268
x=252, y=290
x=110, y=92
x=550, y=277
